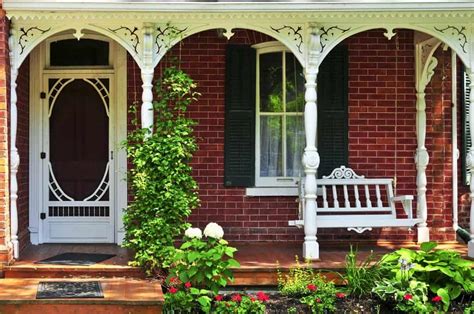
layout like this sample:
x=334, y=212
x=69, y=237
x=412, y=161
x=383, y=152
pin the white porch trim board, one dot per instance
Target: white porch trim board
x=135, y=27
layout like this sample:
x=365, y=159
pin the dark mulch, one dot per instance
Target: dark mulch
x=281, y=304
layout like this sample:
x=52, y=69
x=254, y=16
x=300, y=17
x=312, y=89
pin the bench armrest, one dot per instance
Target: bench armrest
x=406, y=201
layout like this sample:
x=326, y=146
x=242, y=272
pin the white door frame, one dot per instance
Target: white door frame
x=39, y=67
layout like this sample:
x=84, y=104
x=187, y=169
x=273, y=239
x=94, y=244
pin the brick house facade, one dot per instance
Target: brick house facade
x=381, y=132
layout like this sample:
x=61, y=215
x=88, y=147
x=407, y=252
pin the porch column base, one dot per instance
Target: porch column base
x=470, y=248
x=311, y=250
x=423, y=234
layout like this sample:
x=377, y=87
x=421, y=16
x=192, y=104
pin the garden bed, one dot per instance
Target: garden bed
x=284, y=304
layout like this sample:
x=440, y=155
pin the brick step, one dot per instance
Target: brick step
x=261, y=276
x=60, y=271
x=121, y=295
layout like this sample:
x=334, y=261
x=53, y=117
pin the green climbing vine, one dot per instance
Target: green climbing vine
x=160, y=177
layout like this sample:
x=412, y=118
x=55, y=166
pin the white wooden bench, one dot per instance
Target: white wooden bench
x=347, y=200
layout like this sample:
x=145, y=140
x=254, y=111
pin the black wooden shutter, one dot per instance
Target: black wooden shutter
x=466, y=140
x=332, y=111
x=239, y=142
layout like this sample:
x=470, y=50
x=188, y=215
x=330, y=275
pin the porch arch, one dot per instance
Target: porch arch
x=19, y=57
x=391, y=31
x=215, y=26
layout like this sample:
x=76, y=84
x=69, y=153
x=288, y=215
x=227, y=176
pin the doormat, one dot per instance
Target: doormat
x=69, y=290
x=82, y=259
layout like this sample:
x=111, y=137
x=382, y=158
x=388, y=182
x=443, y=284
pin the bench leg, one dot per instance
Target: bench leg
x=423, y=234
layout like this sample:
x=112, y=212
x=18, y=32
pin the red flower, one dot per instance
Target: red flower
x=174, y=280
x=252, y=299
x=218, y=297
x=187, y=285
x=173, y=290
x=311, y=287
x=436, y=299
x=236, y=298
x=262, y=296
x=408, y=296
x=340, y=295
x=318, y=300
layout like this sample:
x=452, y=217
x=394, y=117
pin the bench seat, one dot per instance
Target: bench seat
x=348, y=200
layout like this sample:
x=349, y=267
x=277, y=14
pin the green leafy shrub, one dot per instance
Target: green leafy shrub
x=295, y=283
x=445, y=272
x=160, y=177
x=410, y=297
x=187, y=299
x=361, y=277
x=322, y=297
x=241, y=304
x=204, y=263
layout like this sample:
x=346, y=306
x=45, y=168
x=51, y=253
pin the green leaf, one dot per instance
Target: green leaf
x=233, y=263
x=443, y=293
x=428, y=246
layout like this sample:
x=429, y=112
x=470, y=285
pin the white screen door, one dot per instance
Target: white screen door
x=77, y=159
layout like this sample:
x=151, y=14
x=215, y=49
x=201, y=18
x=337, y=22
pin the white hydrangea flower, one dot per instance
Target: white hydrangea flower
x=193, y=233
x=213, y=230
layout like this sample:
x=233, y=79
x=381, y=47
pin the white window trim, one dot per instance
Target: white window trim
x=272, y=191
x=263, y=184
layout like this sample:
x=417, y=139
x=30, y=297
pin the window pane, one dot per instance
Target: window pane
x=270, y=147
x=271, y=89
x=295, y=143
x=73, y=52
x=294, y=84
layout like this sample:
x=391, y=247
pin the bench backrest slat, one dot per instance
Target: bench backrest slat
x=378, y=193
x=367, y=196
x=356, y=195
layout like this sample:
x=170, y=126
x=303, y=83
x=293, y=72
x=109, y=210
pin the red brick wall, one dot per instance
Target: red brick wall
x=382, y=138
x=5, y=253
x=22, y=143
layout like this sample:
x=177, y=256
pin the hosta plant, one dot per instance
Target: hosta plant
x=409, y=297
x=445, y=272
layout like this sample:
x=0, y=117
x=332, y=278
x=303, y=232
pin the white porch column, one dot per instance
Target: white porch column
x=425, y=65
x=14, y=156
x=470, y=160
x=147, y=72
x=311, y=156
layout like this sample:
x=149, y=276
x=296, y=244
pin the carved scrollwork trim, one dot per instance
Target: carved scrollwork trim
x=359, y=229
x=343, y=172
x=130, y=34
x=169, y=32
x=455, y=31
x=328, y=33
x=27, y=34
x=292, y=32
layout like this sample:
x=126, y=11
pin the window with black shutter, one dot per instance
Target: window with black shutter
x=239, y=137
x=264, y=128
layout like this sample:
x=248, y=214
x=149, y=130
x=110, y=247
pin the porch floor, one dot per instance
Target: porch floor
x=259, y=261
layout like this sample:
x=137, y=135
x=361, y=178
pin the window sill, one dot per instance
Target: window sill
x=272, y=191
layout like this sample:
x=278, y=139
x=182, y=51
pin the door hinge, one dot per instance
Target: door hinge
x=43, y=95
x=43, y=216
x=111, y=155
x=42, y=155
